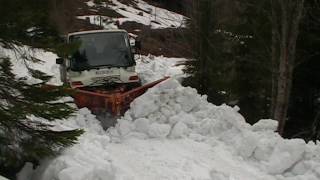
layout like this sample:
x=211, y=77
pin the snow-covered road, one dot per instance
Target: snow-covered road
x=179, y=159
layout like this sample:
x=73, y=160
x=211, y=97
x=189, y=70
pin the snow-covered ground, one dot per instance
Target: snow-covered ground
x=142, y=12
x=172, y=132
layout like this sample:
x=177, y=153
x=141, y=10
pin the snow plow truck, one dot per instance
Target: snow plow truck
x=101, y=71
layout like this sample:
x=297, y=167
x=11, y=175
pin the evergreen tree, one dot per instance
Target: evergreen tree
x=252, y=83
x=239, y=44
x=231, y=60
x=303, y=114
x=22, y=138
x=207, y=70
x=26, y=110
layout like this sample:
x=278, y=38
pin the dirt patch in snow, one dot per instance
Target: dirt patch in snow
x=170, y=42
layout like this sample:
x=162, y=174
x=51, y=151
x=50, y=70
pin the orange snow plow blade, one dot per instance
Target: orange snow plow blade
x=114, y=102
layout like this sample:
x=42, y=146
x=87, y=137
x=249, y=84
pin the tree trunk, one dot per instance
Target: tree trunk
x=205, y=16
x=274, y=55
x=291, y=13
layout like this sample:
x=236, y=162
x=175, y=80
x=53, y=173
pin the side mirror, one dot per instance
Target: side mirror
x=137, y=45
x=59, y=61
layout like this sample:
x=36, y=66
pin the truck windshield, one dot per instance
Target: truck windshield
x=110, y=49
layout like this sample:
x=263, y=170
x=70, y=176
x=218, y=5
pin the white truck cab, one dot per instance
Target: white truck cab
x=102, y=57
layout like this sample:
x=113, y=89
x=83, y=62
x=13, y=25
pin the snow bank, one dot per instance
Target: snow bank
x=85, y=160
x=172, y=111
x=181, y=110
x=171, y=132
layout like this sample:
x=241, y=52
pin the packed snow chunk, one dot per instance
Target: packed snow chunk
x=309, y=176
x=175, y=119
x=266, y=145
x=189, y=99
x=169, y=84
x=164, y=67
x=155, y=100
x=144, y=105
x=197, y=137
x=232, y=118
x=285, y=155
x=265, y=125
x=142, y=125
x=248, y=143
x=179, y=130
x=316, y=169
x=167, y=111
x=86, y=160
x=159, y=130
x=188, y=119
x=236, y=108
x=207, y=127
x=215, y=175
x=124, y=127
x=84, y=111
x=301, y=168
x=82, y=119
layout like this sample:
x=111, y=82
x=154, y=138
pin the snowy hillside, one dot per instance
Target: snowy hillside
x=142, y=13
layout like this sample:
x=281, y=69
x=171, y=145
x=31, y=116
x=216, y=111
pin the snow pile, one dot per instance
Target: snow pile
x=140, y=12
x=152, y=68
x=85, y=160
x=172, y=111
x=171, y=132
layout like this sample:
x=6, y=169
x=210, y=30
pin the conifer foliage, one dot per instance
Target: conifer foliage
x=230, y=63
x=27, y=109
x=23, y=137
x=262, y=56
